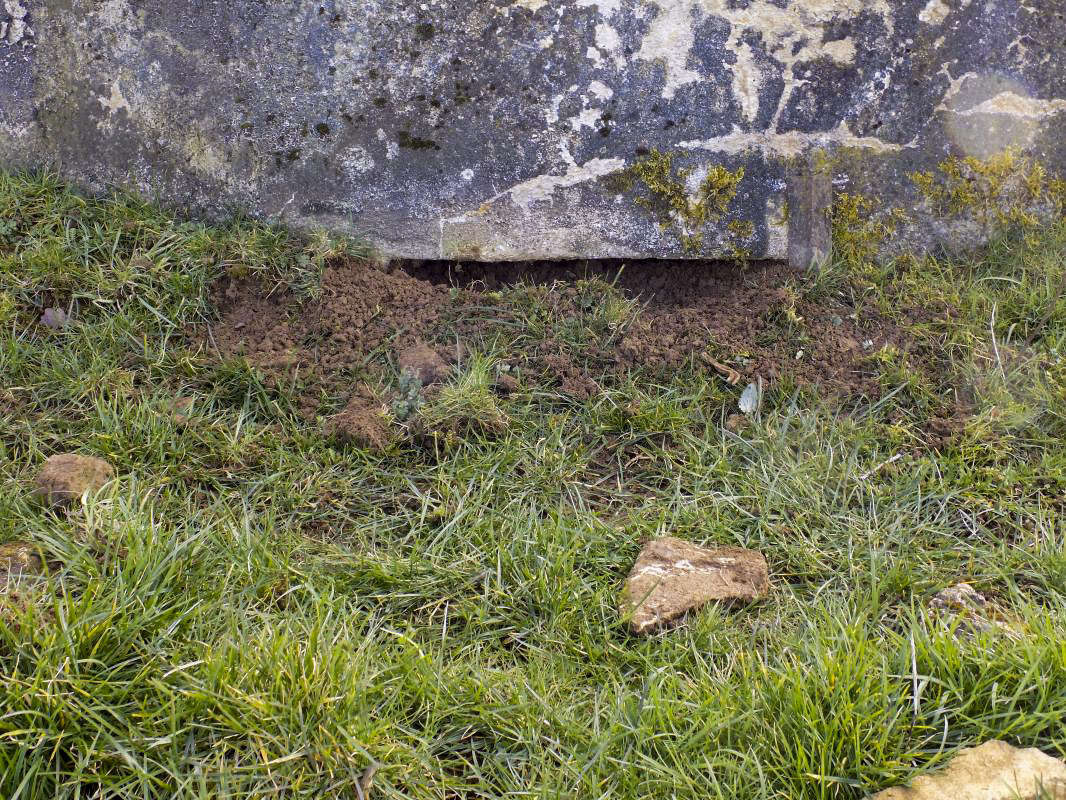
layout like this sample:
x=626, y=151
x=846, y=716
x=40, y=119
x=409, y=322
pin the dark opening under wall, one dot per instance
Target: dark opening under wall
x=656, y=280
x=568, y=328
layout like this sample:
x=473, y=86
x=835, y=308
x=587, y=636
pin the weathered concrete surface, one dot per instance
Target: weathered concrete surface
x=491, y=128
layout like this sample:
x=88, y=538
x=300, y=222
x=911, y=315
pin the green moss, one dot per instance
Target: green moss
x=740, y=231
x=664, y=191
x=858, y=233
x=1057, y=194
x=410, y=142
x=742, y=228
x=1004, y=193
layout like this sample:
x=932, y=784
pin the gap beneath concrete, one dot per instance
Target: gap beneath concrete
x=679, y=281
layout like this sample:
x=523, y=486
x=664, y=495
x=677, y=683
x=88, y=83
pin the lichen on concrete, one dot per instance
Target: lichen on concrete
x=491, y=129
x=15, y=29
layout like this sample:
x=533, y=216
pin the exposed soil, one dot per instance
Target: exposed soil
x=722, y=316
x=424, y=363
x=363, y=319
x=740, y=324
x=361, y=422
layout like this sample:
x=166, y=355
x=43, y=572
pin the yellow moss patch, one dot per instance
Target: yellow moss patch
x=666, y=194
x=857, y=235
x=1002, y=192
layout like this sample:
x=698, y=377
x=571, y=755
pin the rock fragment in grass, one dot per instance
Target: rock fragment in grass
x=67, y=476
x=22, y=574
x=672, y=577
x=18, y=560
x=183, y=408
x=54, y=318
x=424, y=363
x=362, y=423
x=993, y=771
x=963, y=605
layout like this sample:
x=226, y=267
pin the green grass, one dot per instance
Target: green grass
x=249, y=611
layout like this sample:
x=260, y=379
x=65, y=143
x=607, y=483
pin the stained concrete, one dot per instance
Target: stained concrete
x=491, y=129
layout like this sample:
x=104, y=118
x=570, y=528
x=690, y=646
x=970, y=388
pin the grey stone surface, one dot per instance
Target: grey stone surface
x=491, y=129
x=810, y=198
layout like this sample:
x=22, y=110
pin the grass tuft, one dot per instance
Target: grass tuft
x=249, y=611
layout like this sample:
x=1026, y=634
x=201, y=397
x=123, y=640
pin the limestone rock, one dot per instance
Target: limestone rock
x=993, y=771
x=963, y=605
x=510, y=130
x=672, y=577
x=65, y=477
x=960, y=598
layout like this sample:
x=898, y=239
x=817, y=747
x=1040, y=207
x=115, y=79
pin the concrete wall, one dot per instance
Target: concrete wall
x=509, y=129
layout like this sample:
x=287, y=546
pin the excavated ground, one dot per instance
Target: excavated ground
x=566, y=327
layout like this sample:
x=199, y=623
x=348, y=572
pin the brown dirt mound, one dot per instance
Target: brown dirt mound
x=361, y=422
x=738, y=323
x=66, y=476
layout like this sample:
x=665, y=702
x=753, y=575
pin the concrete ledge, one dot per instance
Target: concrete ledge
x=512, y=129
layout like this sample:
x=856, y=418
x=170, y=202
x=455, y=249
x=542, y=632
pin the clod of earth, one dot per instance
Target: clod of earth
x=361, y=423
x=424, y=363
x=993, y=771
x=506, y=384
x=672, y=577
x=67, y=476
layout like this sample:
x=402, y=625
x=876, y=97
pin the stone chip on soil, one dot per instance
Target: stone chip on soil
x=967, y=608
x=65, y=477
x=993, y=771
x=672, y=577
